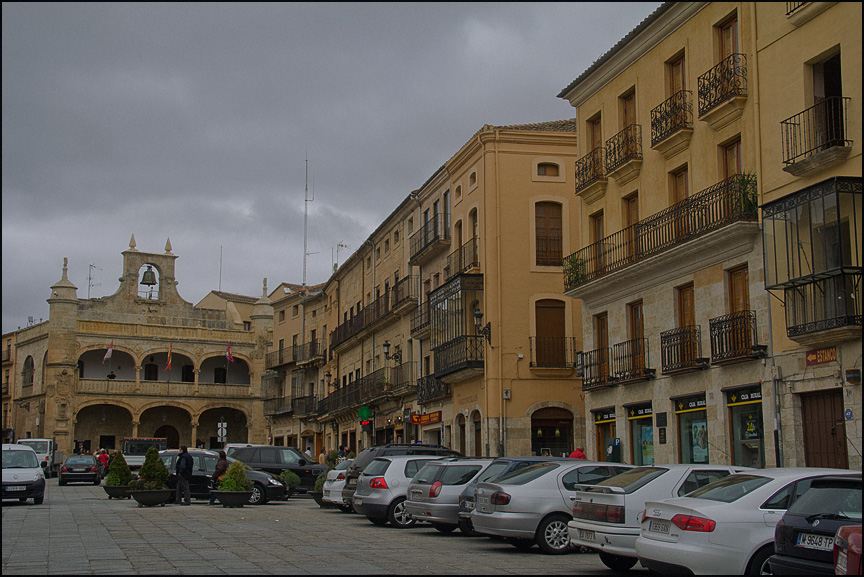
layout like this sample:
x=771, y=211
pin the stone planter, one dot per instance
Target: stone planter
x=152, y=498
x=319, y=498
x=232, y=498
x=117, y=492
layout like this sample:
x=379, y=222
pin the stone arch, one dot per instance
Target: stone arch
x=556, y=426
x=102, y=424
x=215, y=367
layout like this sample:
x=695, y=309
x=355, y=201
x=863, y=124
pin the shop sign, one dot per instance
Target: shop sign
x=604, y=416
x=742, y=396
x=427, y=419
x=693, y=403
x=820, y=356
x=639, y=411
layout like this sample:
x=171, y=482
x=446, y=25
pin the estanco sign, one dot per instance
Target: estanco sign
x=426, y=419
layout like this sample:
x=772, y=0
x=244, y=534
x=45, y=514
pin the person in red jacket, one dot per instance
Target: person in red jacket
x=103, y=461
x=578, y=454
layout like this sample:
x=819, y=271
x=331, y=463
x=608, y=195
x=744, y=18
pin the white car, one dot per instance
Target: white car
x=607, y=516
x=23, y=476
x=332, y=492
x=724, y=528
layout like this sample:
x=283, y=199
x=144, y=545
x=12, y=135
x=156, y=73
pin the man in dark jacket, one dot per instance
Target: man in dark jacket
x=183, y=468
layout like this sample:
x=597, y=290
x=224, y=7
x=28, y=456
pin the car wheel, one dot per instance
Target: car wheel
x=446, y=529
x=259, y=497
x=759, y=562
x=521, y=544
x=466, y=527
x=552, y=535
x=377, y=521
x=38, y=500
x=398, y=516
x=617, y=562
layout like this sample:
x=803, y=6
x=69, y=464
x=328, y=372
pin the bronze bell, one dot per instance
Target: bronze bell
x=149, y=277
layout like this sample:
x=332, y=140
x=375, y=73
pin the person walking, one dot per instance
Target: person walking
x=183, y=468
x=218, y=473
x=322, y=458
x=103, y=462
x=578, y=454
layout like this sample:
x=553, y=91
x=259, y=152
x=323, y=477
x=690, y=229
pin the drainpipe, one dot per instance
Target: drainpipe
x=502, y=429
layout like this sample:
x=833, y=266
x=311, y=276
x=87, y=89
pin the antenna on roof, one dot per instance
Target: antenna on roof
x=305, y=217
x=90, y=283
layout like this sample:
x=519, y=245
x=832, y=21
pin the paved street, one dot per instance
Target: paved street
x=79, y=530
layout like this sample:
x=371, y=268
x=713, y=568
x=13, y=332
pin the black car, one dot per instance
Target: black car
x=266, y=487
x=275, y=460
x=79, y=469
x=366, y=456
x=804, y=537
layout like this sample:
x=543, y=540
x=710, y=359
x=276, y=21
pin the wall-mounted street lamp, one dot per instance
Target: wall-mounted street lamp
x=395, y=357
x=484, y=331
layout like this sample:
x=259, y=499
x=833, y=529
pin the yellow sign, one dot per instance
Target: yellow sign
x=819, y=356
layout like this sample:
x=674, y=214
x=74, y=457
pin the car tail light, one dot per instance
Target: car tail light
x=597, y=512
x=578, y=510
x=614, y=514
x=63, y=469
x=378, y=483
x=435, y=489
x=694, y=523
x=499, y=498
x=340, y=477
x=93, y=469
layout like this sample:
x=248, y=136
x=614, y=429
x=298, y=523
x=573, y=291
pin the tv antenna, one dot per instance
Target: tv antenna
x=339, y=246
x=306, y=217
x=90, y=283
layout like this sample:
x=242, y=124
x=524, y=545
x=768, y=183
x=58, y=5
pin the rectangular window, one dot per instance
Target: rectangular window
x=728, y=38
x=596, y=237
x=628, y=109
x=595, y=132
x=677, y=80
x=548, y=231
x=732, y=159
x=631, y=217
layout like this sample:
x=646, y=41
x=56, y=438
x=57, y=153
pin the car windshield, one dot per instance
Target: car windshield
x=343, y=465
x=38, y=446
x=730, y=488
x=376, y=467
x=80, y=461
x=527, y=474
x=634, y=478
x=427, y=474
x=20, y=460
x=830, y=499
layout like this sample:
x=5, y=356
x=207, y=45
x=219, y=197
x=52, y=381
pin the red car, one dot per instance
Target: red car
x=847, y=550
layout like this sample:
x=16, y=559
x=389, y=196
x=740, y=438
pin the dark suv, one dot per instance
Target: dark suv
x=366, y=456
x=277, y=459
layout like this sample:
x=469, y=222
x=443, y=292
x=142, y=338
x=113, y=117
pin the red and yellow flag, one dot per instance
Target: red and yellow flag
x=168, y=364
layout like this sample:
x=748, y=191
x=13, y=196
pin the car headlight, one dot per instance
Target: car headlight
x=38, y=476
x=274, y=481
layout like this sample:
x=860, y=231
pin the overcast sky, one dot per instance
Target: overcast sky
x=193, y=122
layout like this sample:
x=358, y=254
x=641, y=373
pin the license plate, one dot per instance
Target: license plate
x=79, y=470
x=482, y=500
x=658, y=527
x=415, y=495
x=358, y=501
x=841, y=562
x=586, y=535
x=15, y=488
x=813, y=541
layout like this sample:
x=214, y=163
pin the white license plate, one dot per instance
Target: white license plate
x=586, y=535
x=658, y=527
x=415, y=495
x=813, y=541
x=358, y=501
x=841, y=562
x=79, y=470
x=482, y=500
x=15, y=488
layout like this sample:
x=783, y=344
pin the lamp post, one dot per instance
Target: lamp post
x=395, y=357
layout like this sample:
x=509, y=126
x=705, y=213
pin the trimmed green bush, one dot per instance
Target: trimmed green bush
x=319, y=484
x=332, y=459
x=153, y=473
x=291, y=478
x=119, y=473
x=235, y=478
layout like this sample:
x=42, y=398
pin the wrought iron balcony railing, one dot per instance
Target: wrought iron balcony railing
x=630, y=361
x=280, y=357
x=590, y=168
x=420, y=319
x=311, y=351
x=823, y=304
x=305, y=405
x=734, y=338
x=404, y=293
x=723, y=82
x=673, y=115
x=624, y=147
x=277, y=406
x=431, y=389
x=553, y=352
x=793, y=6
x=596, y=369
x=731, y=200
x=438, y=228
x=465, y=352
x=681, y=350
x=463, y=258
x=820, y=127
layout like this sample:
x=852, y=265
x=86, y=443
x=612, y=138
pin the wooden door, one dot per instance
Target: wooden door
x=550, y=340
x=739, y=304
x=478, y=436
x=677, y=85
x=598, y=255
x=728, y=38
x=680, y=192
x=824, y=430
x=601, y=338
x=636, y=364
x=687, y=322
x=547, y=231
x=631, y=215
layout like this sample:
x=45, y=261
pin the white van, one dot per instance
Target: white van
x=22, y=474
x=46, y=451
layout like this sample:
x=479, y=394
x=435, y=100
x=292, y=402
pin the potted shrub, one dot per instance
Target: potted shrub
x=235, y=489
x=149, y=488
x=292, y=481
x=318, y=493
x=118, y=479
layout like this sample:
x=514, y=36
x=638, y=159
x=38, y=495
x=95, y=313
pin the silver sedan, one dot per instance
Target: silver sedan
x=533, y=505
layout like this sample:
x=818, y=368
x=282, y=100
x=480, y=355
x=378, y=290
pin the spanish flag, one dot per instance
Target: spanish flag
x=168, y=365
x=228, y=354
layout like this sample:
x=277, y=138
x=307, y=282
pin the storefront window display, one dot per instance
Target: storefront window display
x=604, y=422
x=692, y=429
x=641, y=434
x=745, y=419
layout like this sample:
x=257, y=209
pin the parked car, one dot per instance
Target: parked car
x=607, y=516
x=533, y=505
x=433, y=495
x=382, y=486
x=367, y=455
x=499, y=467
x=23, y=476
x=79, y=469
x=265, y=486
x=847, y=550
x=726, y=527
x=332, y=492
x=804, y=537
x=275, y=460
x=49, y=456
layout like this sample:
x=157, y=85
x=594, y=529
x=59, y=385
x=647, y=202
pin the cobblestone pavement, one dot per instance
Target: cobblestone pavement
x=79, y=530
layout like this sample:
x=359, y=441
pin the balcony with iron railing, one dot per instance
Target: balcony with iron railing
x=816, y=138
x=672, y=124
x=386, y=382
x=630, y=362
x=734, y=338
x=723, y=91
x=725, y=203
x=278, y=358
x=463, y=258
x=681, y=350
x=313, y=351
x=421, y=321
x=432, y=237
x=590, y=175
x=404, y=294
x=460, y=358
x=307, y=405
x=430, y=389
x=624, y=154
x=596, y=369
x=164, y=389
x=278, y=406
x=553, y=352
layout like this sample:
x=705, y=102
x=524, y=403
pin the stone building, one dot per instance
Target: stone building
x=140, y=362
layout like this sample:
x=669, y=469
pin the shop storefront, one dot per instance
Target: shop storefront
x=604, y=425
x=430, y=427
x=745, y=421
x=692, y=429
x=640, y=418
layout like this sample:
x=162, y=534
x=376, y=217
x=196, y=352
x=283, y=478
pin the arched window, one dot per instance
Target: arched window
x=27, y=373
x=547, y=233
x=547, y=169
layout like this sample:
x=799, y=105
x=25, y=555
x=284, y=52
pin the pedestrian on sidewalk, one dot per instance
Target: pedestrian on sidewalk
x=183, y=468
x=103, y=462
x=218, y=474
x=578, y=454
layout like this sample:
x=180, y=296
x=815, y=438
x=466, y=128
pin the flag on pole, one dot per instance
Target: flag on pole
x=228, y=354
x=107, y=356
x=168, y=365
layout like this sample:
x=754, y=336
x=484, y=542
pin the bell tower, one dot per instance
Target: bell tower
x=157, y=282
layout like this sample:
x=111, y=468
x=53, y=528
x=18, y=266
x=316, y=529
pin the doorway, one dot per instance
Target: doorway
x=169, y=433
x=824, y=430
